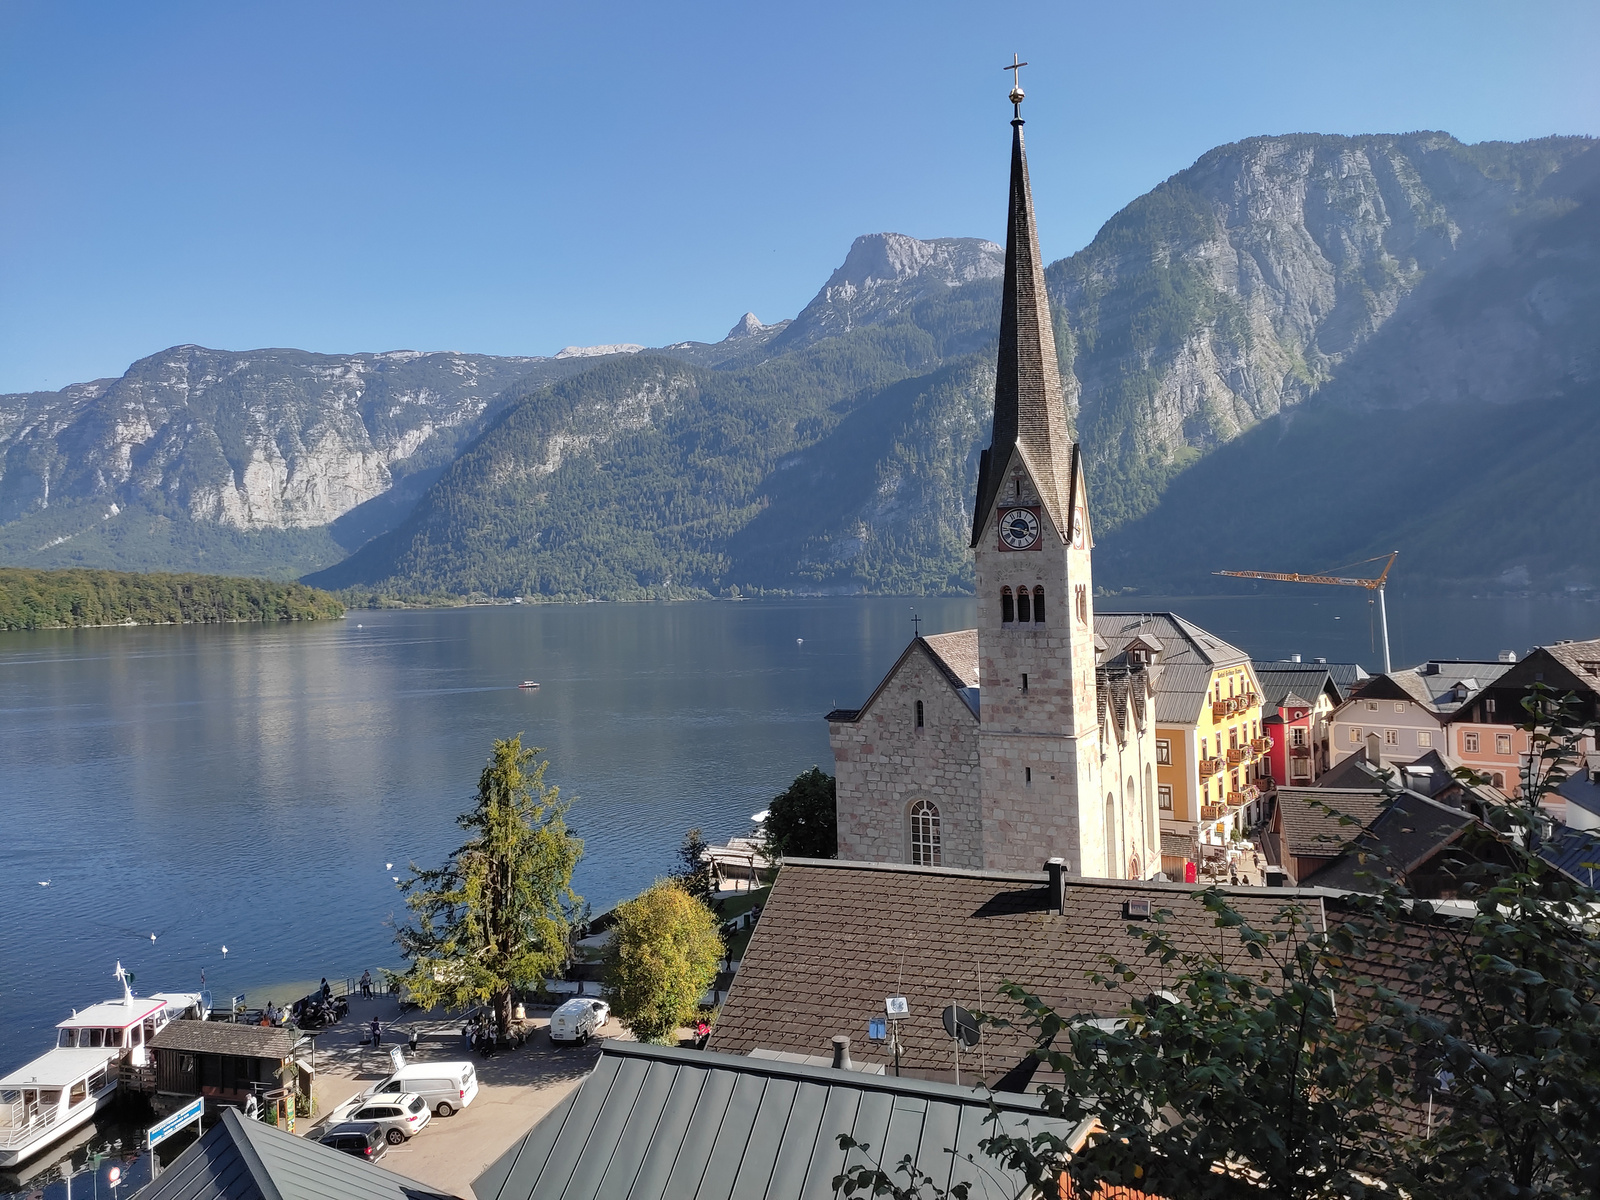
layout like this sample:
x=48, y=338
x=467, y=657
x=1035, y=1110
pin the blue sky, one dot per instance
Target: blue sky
x=513, y=178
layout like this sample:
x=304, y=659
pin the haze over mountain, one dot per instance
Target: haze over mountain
x=1299, y=350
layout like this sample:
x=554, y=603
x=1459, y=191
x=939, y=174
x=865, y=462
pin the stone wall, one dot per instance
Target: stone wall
x=884, y=764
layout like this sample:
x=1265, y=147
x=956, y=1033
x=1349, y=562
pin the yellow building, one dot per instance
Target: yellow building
x=1209, y=744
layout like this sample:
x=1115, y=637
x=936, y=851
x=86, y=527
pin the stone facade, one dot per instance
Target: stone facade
x=884, y=764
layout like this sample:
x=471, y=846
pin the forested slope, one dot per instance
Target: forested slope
x=32, y=599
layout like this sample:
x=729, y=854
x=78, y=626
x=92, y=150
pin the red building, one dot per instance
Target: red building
x=1297, y=700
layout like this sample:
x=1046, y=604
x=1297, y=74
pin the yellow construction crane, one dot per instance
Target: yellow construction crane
x=1372, y=585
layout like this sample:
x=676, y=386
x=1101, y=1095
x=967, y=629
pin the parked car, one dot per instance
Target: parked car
x=444, y=1086
x=358, y=1141
x=578, y=1020
x=398, y=1116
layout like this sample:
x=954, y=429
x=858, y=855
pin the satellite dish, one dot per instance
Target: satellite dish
x=961, y=1025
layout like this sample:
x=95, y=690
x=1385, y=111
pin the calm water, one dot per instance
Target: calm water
x=245, y=786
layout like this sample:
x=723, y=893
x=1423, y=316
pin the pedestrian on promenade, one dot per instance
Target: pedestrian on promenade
x=377, y=1033
x=366, y=985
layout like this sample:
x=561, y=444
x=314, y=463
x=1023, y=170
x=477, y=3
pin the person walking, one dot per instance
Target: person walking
x=366, y=985
x=377, y=1033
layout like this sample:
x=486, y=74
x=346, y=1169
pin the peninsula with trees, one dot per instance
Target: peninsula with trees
x=80, y=598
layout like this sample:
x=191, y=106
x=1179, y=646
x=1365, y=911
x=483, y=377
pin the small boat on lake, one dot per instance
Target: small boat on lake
x=528, y=685
x=59, y=1092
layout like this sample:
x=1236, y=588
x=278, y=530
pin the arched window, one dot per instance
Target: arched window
x=925, y=834
x=1111, y=834
x=1023, y=615
x=1081, y=593
x=1007, y=615
x=1038, y=606
x=919, y=714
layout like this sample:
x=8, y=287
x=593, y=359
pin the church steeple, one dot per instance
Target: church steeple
x=1029, y=408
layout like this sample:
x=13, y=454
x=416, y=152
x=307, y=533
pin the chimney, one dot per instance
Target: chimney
x=841, y=1054
x=1323, y=661
x=1277, y=876
x=1374, y=750
x=1056, y=868
x=1294, y=658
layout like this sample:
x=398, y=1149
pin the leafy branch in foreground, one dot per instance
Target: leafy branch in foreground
x=498, y=915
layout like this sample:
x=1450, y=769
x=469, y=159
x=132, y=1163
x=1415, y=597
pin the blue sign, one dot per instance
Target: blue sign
x=878, y=1029
x=162, y=1130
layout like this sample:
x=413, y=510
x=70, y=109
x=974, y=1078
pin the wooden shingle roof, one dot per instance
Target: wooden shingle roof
x=837, y=938
x=1311, y=831
x=224, y=1037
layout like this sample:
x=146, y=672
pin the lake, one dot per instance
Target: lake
x=247, y=785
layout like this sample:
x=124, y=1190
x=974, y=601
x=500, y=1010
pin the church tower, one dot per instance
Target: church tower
x=1040, y=790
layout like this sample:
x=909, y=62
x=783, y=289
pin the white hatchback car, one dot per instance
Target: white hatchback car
x=578, y=1020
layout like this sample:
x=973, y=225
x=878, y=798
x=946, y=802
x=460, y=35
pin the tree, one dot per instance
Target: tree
x=694, y=868
x=496, y=916
x=803, y=821
x=661, y=958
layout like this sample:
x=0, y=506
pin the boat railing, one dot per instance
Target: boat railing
x=24, y=1123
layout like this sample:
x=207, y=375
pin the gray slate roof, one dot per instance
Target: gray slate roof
x=224, y=1037
x=1280, y=680
x=1409, y=832
x=656, y=1122
x=251, y=1160
x=1188, y=656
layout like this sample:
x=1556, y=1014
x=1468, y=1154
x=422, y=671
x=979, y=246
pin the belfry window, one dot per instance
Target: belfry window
x=1024, y=615
x=1038, y=606
x=925, y=851
x=1007, y=613
x=919, y=714
x=1081, y=595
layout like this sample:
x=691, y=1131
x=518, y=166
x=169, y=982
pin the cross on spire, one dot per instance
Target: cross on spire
x=1016, y=84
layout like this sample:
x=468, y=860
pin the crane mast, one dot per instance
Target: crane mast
x=1372, y=585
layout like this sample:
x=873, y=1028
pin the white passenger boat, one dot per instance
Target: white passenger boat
x=61, y=1090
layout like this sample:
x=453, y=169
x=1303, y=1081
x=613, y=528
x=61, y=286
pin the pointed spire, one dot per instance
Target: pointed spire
x=1029, y=405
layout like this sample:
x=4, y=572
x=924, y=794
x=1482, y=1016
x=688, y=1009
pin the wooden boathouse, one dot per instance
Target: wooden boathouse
x=224, y=1062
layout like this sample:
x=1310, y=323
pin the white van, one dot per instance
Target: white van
x=446, y=1086
x=578, y=1020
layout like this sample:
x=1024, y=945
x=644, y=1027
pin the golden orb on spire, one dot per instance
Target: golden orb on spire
x=1015, y=67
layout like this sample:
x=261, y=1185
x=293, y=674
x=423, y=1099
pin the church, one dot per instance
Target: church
x=1027, y=738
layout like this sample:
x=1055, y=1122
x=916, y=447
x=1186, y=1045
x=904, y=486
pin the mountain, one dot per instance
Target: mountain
x=1301, y=346
x=198, y=455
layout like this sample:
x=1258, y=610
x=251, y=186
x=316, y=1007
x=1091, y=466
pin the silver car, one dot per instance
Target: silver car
x=399, y=1117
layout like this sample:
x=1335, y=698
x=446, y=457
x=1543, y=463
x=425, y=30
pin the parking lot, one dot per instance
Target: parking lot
x=515, y=1088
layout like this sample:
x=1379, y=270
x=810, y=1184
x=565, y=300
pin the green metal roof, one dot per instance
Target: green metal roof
x=238, y=1159
x=653, y=1122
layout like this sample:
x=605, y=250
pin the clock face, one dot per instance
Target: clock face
x=1019, y=528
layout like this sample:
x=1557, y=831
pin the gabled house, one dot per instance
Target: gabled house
x=1209, y=741
x=1411, y=710
x=1297, y=703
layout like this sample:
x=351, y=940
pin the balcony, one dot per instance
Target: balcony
x=1220, y=709
x=1211, y=812
x=1261, y=745
x=1209, y=767
x=1235, y=799
x=1248, y=700
x=1237, y=755
x=1252, y=794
